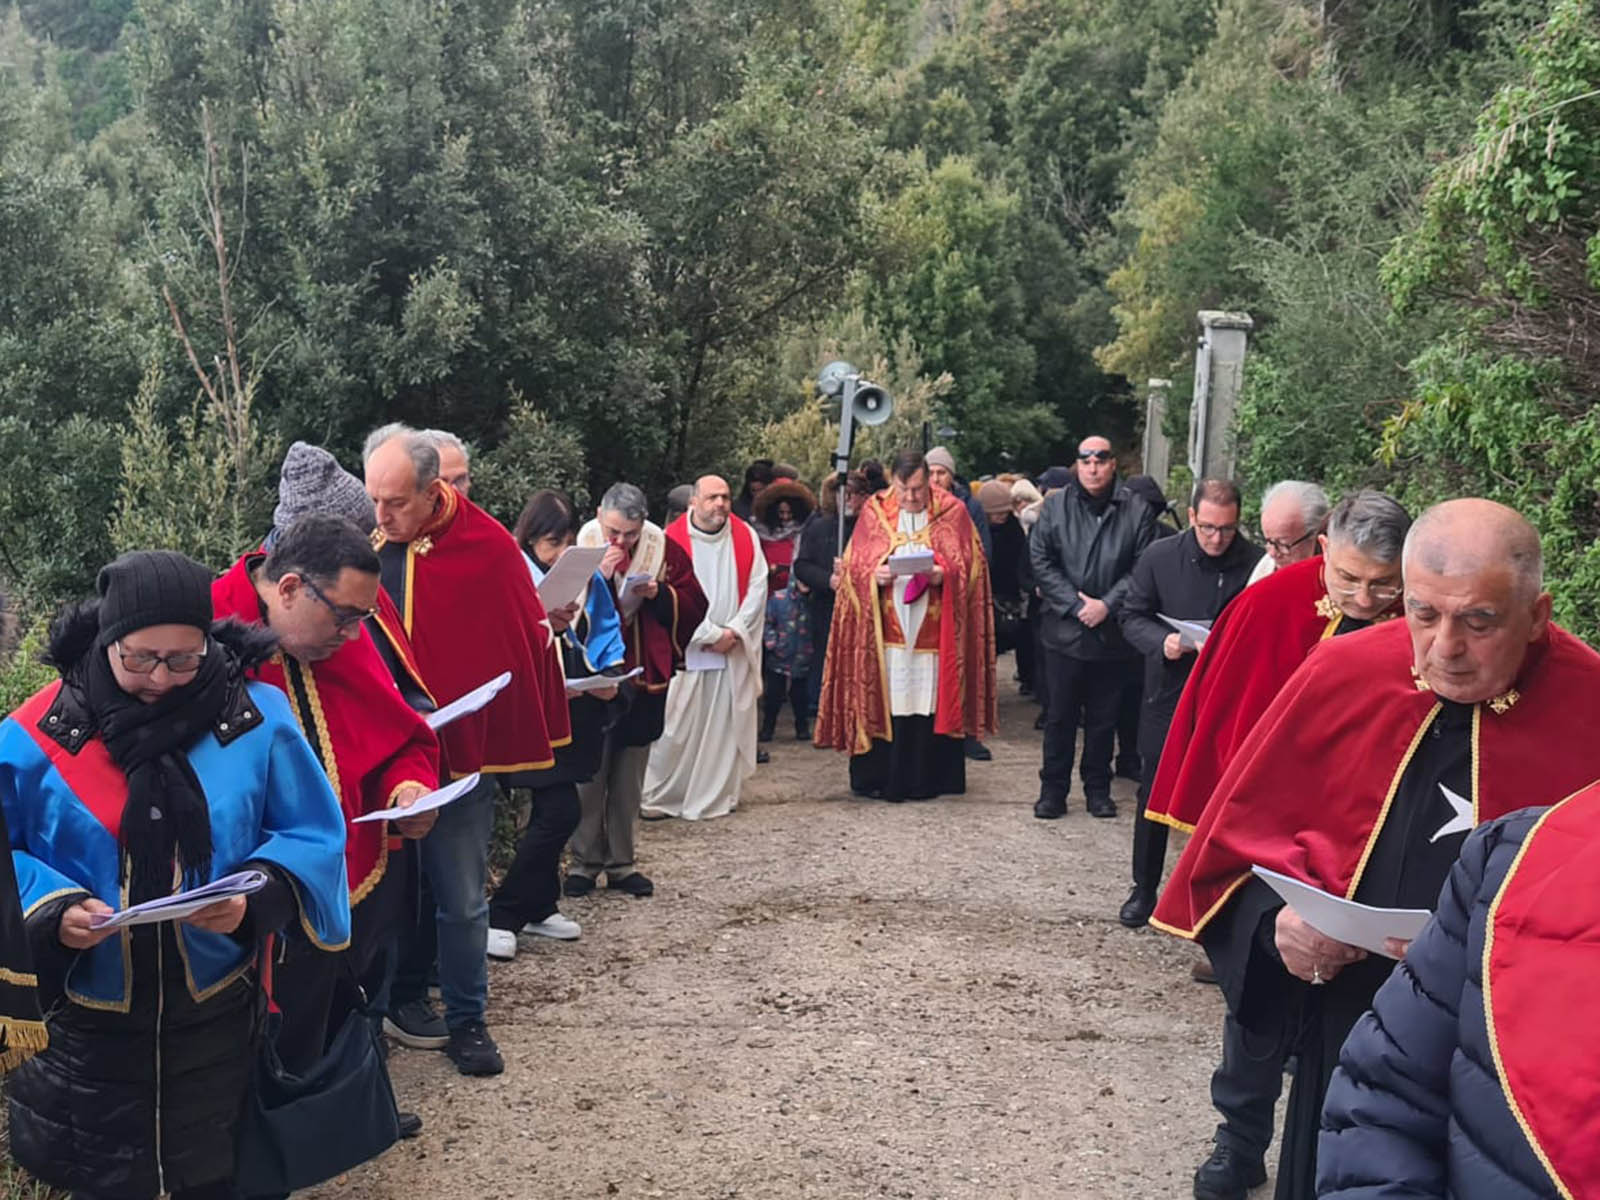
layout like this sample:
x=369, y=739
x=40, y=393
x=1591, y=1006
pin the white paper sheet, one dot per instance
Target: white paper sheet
x=1192, y=633
x=632, y=593
x=698, y=658
x=1345, y=920
x=184, y=904
x=433, y=800
x=470, y=703
x=911, y=562
x=570, y=575
x=598, y=683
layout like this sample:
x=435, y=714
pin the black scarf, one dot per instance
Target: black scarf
x=166, y=809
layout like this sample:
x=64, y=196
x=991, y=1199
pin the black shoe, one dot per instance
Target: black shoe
x=1101, y=806
x=410, y=1124
x=767, y=731
x=473, y=1051
x=977, y=751
x=762, y=757
x=577, y=885
x=1228, y=1175
x=636, y=885
x=416, y=1024
x=1049, y=808
x=1137, y=908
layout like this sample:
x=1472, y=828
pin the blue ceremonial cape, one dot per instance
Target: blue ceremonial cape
x=603, y=648
x=270, y=801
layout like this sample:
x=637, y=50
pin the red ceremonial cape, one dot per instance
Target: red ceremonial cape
x=1541, y=971
x=744, y=550
x=854, y=708
x=471, y=611
x=1309, y=790
x=368, y=739
x=1258, y=641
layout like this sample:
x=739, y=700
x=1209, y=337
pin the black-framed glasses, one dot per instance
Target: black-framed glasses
x=1095, y=456
x=1283, y=547
x=1207, y=530
x=343, y=617
x=144, y=662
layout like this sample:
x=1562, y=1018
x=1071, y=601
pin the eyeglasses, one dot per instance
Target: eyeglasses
x=1095, y=456
x=343, y=618
x=144, y=662
x=1283, y=547
x=1205, y=530
x=1345, y=588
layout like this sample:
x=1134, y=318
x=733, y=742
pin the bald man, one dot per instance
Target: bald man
x=708, y=748
x=1364, y=777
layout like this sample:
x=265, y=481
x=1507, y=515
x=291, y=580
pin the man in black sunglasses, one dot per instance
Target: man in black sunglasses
x=1083, y=550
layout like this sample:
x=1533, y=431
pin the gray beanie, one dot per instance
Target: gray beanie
x=312, y=481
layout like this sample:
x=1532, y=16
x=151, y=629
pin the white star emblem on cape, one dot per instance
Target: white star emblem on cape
x=1461, y=822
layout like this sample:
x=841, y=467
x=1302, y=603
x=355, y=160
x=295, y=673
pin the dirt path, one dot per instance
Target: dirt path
x=831, y=997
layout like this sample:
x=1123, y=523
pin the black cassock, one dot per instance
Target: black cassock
x=1407, y=869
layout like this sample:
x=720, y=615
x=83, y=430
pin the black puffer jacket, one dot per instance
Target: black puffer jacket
x=1075, y=548
x=1416, y=1108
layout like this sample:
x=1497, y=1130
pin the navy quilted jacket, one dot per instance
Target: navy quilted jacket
x=1416, y=1108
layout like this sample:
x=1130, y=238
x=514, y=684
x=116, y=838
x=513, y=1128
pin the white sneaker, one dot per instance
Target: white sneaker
x=556, y=926
x=502, y=944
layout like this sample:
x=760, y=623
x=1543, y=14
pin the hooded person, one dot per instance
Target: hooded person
x=154, y=765
x=781, y=512
x=814, y=561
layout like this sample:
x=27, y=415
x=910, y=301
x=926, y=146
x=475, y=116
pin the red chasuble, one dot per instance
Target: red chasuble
x=854, y=708
x=1309, y=790
x=470, y=611
x=368, y=739
x=1541, y=972
x=657, y=632
x=1260, y=640
x=744, y=549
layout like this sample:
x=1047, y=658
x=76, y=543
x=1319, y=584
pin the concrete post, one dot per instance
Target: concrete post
x=1157, y=446
x=1218, y=374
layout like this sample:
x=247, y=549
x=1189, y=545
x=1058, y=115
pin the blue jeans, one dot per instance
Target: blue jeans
x=455, y=855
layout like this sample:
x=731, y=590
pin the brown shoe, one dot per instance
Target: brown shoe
x=1201, y=972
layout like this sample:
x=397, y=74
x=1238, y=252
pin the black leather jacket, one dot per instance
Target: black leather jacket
x=1075, y=550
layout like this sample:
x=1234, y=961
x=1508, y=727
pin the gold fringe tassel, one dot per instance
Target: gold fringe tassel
x=20, y=1041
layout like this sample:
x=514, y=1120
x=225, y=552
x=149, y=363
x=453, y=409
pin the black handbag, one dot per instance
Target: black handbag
x=298, y=1130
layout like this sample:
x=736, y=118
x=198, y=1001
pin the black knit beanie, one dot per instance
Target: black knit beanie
x=152, y=587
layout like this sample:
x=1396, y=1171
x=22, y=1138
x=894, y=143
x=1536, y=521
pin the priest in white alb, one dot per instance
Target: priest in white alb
x=709, y=747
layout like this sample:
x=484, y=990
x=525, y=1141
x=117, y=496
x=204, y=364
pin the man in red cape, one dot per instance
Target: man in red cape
x=470, y=612
x=910, y=666
x=1257, y=643
x=1378, y=756
x=313, y=590
x=659, y=615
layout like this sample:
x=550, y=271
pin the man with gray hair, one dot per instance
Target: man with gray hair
x=660, y=603
x=1363, y=778
x=455, y=460
x=1293, y=513
x=1254, y=647
x=471, y=612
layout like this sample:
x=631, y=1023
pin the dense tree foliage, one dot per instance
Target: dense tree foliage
x=616, y=239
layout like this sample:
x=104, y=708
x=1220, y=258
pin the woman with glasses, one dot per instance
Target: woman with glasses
x=151, y=767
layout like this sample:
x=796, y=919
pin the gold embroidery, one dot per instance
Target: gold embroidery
x=1503, y=703
x=423, y=545
x=1327, y=608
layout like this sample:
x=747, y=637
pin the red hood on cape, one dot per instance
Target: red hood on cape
x=470, y=611
x=1541, y=971
x=368, y=739
x=854, y=708
x=1258, y=641
x=1308, y=791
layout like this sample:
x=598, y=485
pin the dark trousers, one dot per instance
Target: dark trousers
x=1131, y=754
x=1149, y=837
x=314, y=988
x=1245, y=1087
x=1091, y=689
x=778, y=687
x=532, y=884
x=419, y=940
x=821, y=624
